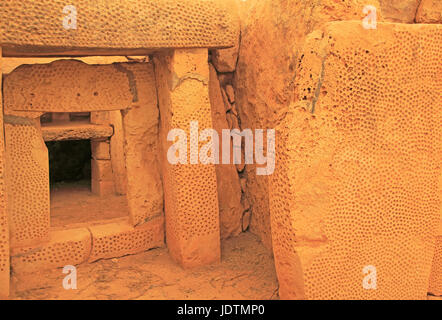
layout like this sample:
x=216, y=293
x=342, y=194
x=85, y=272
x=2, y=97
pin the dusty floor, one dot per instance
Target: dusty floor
x=73, y=203
x=246, y=272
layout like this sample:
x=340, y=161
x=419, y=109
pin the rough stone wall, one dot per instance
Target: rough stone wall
x=36, y=27
x=231, y=209
x=234, y=206
x=358, y=168
x=4, y=225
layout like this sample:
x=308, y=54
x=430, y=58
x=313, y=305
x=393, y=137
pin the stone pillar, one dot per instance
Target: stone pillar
x=4, y=227
x=191, y=201
x=116, y=183
x=117, y=152
x=102, y=181
x=101, y=168
x=27, y=180
x=140, y=157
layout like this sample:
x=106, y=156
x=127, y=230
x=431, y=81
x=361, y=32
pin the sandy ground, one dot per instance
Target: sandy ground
x=73, y=203
x=245, y=272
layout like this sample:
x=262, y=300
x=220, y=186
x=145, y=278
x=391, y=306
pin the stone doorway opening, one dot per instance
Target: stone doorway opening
x=81, y=183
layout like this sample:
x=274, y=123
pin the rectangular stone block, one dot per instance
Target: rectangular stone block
x=65, y=247
x=130, y=28
x=73, y=131
x=119, y=239
x=101, y=170
x=100, y=150
x=100, y=117
x=141, y=147
x=191, y=199
x=27, y=181
x=117, y=151
x=66, y=86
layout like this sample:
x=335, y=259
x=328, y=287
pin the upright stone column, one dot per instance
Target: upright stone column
x=4, y=227
x=191, y=201
x=102, y=178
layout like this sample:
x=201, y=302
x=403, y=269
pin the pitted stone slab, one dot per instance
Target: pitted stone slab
x=357, y=184
x=30, y=27
x=69, y=86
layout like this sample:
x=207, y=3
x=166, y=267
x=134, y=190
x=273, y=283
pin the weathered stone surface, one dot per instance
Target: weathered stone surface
x=191, y=199
x=123, y=28
x=429, y=11
x=68, y=86
x=65, y=247
x=229, y=189
x=10, y=64
x=403, y=11
x=101, y=170
x=60, y=116
x=435, y=286
x=100, y=150
x=117, y=155
x=357, y=181
x=27, y=181
x=119, y=239
x=75, y=131
x=117, y=152
x=4, y=225
x=141, y=148
x=272, y=34
x=246, y=220
x=100, y=117
x=102, y=187
x=230, y=93
x=225, y=60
